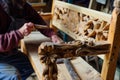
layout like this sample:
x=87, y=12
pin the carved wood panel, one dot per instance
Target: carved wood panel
x=81, y=24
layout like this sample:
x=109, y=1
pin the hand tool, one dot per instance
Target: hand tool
x=38, y=26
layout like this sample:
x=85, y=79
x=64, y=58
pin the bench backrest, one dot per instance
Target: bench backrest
x=79, y=23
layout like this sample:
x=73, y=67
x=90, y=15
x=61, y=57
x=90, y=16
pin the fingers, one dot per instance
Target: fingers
x=30, y=26
x=26, y=28
x=56, y=39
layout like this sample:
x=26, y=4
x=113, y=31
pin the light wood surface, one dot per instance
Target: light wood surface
x=30, y=47
x=110, y=60
x=38, y=6
x=46, y=16
x=92, y=4
x=93, y=13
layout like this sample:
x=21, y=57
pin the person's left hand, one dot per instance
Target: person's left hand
x=56, y=39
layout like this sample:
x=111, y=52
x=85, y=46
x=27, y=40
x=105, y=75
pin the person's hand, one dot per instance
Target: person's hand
x=26, y=29
x=56, y=39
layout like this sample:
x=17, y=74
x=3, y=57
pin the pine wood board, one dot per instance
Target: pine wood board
x=35, y=38
x=84, y=70
x=30, y=45
x=40, y=4
x=93, y=13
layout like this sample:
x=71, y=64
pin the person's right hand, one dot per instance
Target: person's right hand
x=26, y=29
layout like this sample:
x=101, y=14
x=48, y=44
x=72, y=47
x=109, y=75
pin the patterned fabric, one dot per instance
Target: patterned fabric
x=22, y=67
x=8, y=72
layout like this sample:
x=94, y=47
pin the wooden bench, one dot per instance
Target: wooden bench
x=79, y=23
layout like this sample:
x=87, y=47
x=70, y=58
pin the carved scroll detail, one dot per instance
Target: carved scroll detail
x=49, y=52
x=81, y=24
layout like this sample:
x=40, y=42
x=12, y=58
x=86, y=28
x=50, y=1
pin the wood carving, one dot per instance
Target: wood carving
x=81, y=24
x=49, y=52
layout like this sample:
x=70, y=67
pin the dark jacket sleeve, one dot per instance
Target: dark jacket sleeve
x=8, y=41
x=33, y=16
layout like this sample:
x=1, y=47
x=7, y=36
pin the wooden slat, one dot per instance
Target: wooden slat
x=52, y=11
x=92, y=4
x=34, y=59
x=38, y=4
x=29, y=46
x=85, y=71
x=35, y=38
x=46, y=16
x=93, y=13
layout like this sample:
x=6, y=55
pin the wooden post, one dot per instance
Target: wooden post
x=109, y=64
x=52, y=12
x=41, y=1
x=92, y=4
